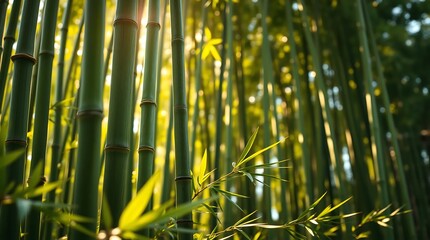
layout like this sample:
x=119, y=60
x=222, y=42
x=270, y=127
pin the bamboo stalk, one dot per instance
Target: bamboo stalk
x=377, y=149
x=183, y=178
x=3, y=9
x=197, y=84
x=57, y=135
x=89, y=119
x=119, y=127
x=267, y=79
x=404, y=192
x=9, y=40
x=229, y=216
x=43, y=90
x=148, y=101
x=17, y=131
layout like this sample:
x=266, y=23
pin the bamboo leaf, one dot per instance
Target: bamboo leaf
x=257, y=153
x=208, y=33
x=310, y=231
x=214, y=53
x=146, y=219
x=203, y=165
x=182, y=210
x=10, y=158
x=43, y=189
x=136, y=207
x=106, y=214
x=248, y=145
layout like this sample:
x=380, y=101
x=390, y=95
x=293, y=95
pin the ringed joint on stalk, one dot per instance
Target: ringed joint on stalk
x=148, y=101
x=154, y=24
x=17, y=141
x=125, y=20
x=178, y=39
x=182, y=178
x=9, y=37
x=181, y=106
x=24, y=56
x=116, y=148
x=146, y=148
x=90, y=112
x=46, y=52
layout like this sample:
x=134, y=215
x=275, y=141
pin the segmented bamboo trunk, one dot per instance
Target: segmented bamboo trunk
x=229, y=216
x=56, y=141
x=183, y=178
x=119, y=125
x=267, y=79
x=404, y=191
x=9, y=40
x=373, y=115
x=89, y=117
x=17, y=132
x=42, y=104
x=148, y=102
x=299, y=105
x=3, y=9
x=197, y=84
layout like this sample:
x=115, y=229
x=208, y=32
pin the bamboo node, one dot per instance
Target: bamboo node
x=181, y=106
x=24, y=56
x=9, y=37
x=116, y=148
x=153, y=24
x=148, y=101
x=17, y=141
x=88, y=113
x=146, y=148
x=182, y=221
x=47, y=52
x=125, y=20
x=179, y=39
x=182, y=178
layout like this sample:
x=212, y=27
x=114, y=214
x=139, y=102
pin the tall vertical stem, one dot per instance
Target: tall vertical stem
x=17, y=133
x=183, y=178
x=89, y=118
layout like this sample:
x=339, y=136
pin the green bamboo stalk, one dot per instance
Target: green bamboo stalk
x=183, y=178
x=229, y=217
x=336, y=160
x=3, y=9
x=68, y=162
x=119, y=127
x=198, y=79
x=247, y=188
x=167, y=179
x=404, y=192
x=55, y=153
x=73, y=62
x=17, y=131
x=377, y=149
x=165, y=195
x=267, y=79
x=148, y=101
x=43, y=89
x=300, y=108
x=219, y=111
x=133, y=136
x=9, y=40
x=89, y=117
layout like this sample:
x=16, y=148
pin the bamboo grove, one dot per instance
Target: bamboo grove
x=212, y=119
